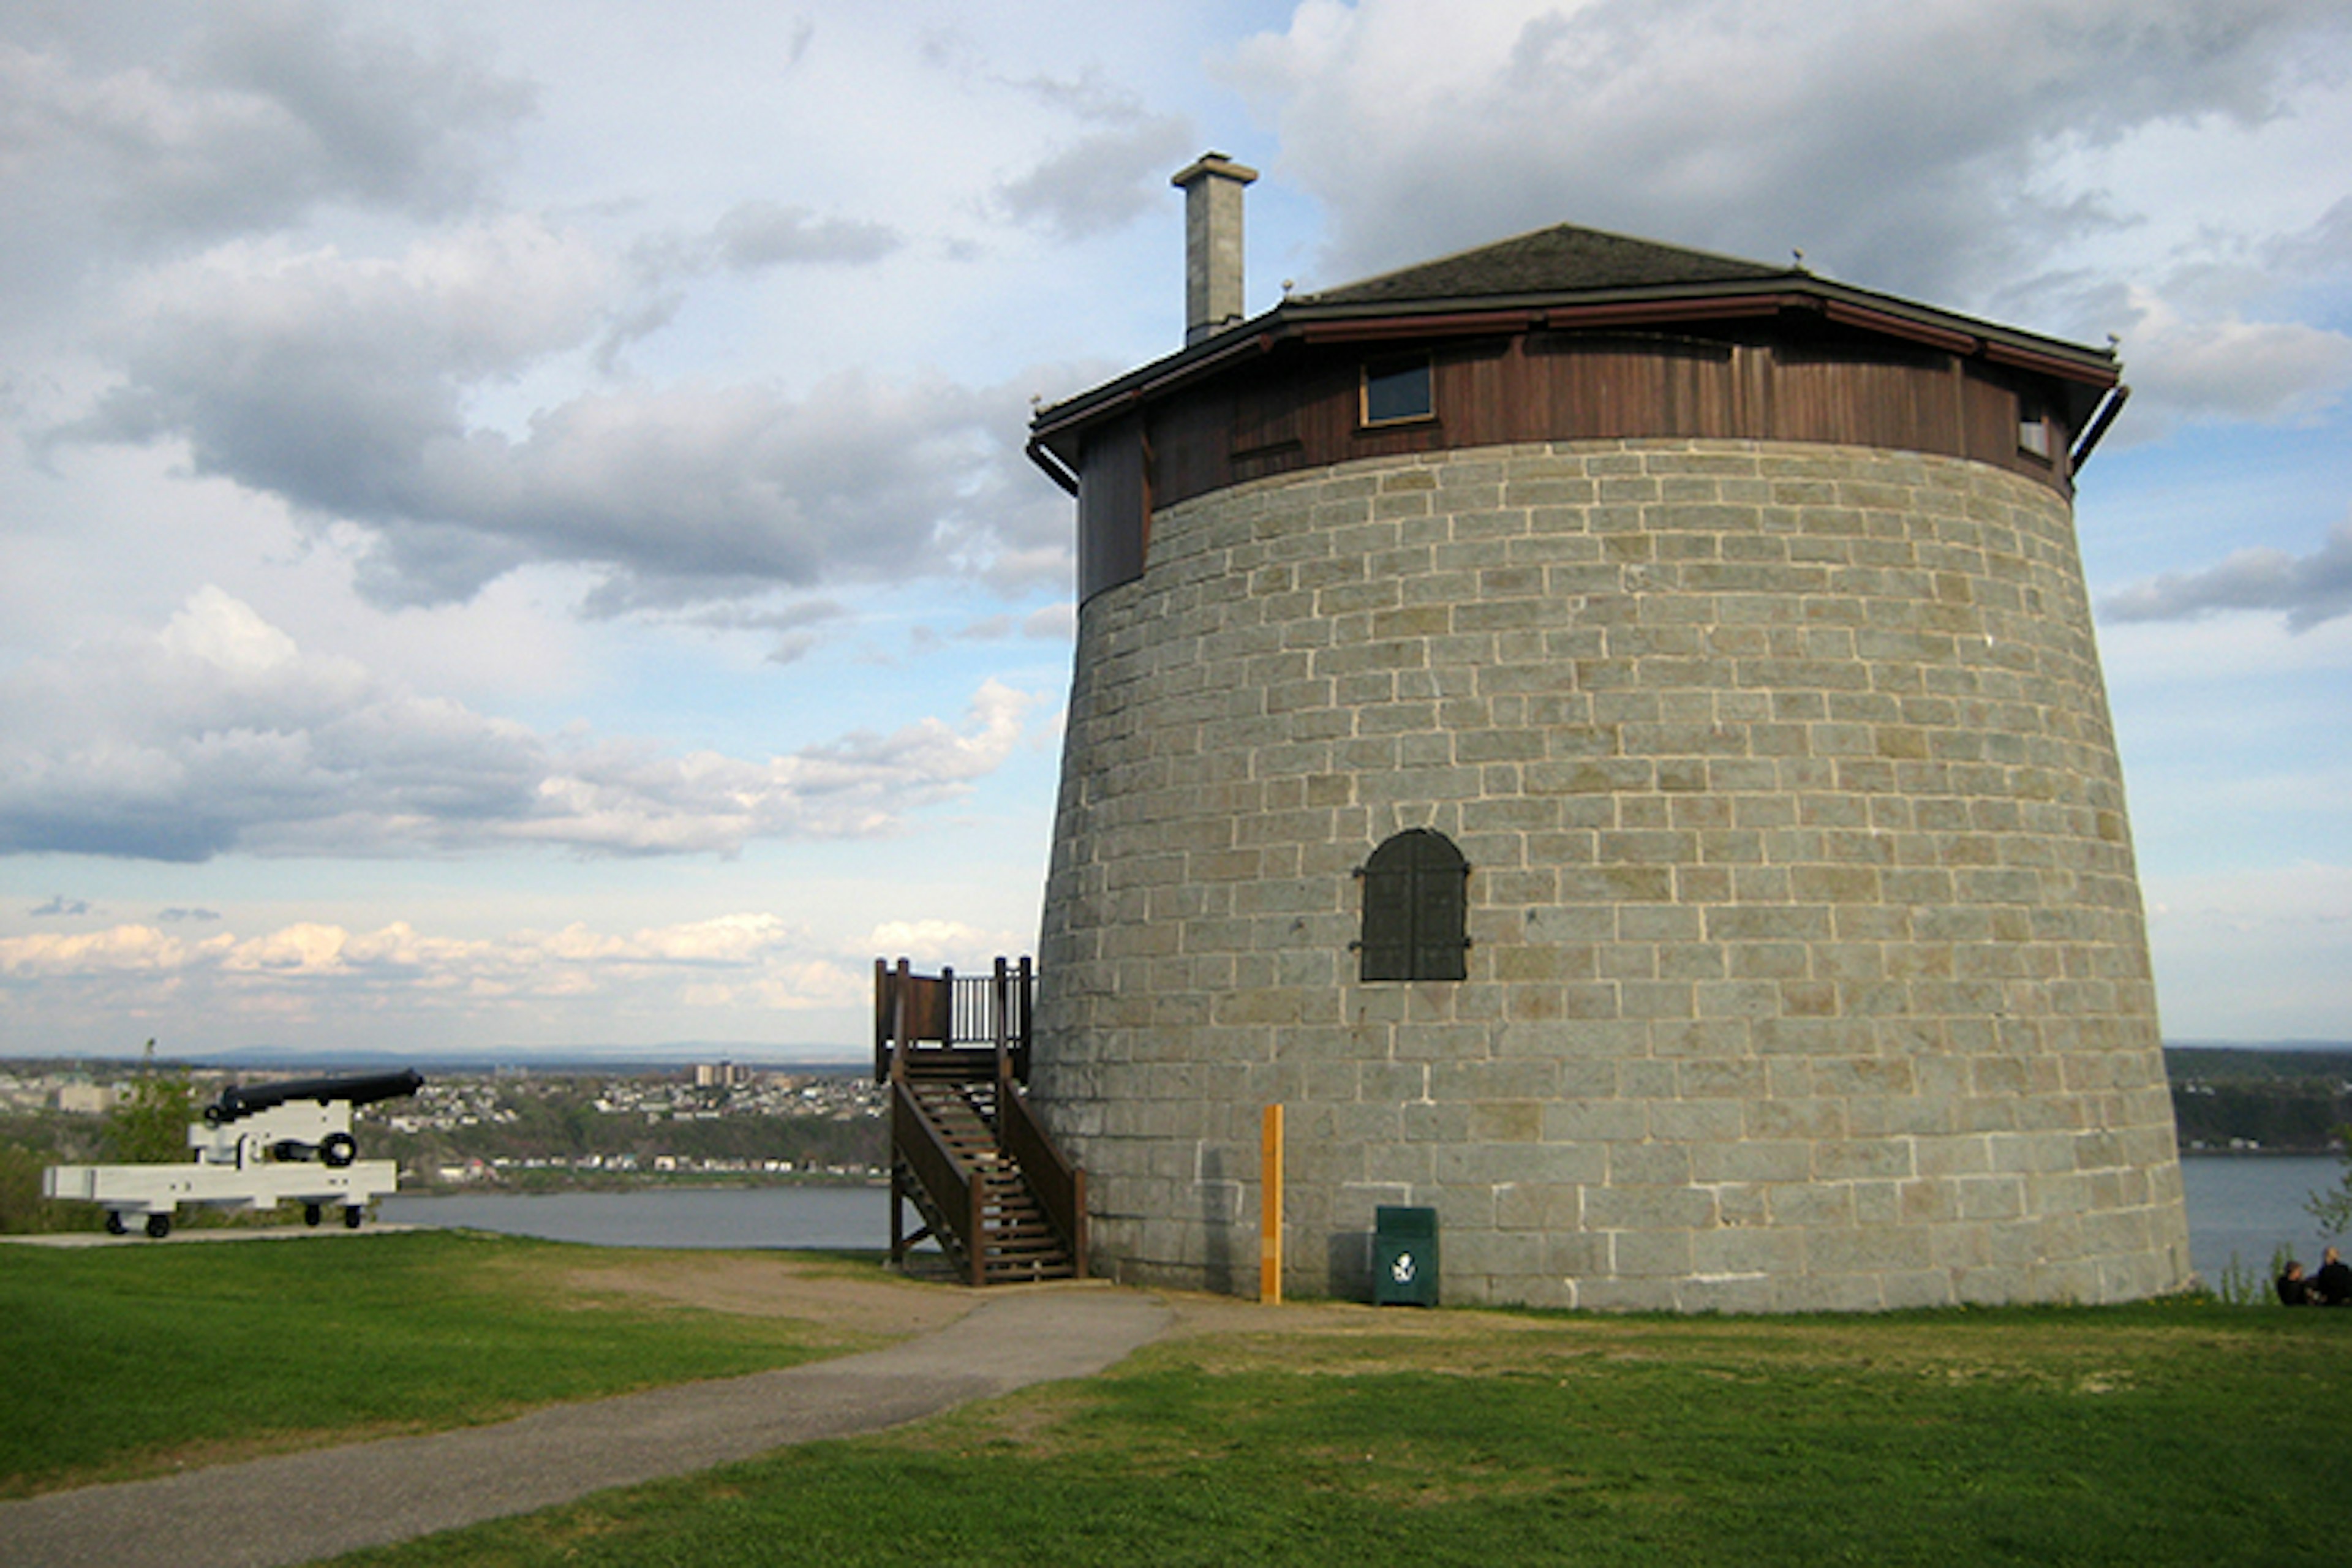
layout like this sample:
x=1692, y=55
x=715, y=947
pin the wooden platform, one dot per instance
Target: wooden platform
x=982, y=1174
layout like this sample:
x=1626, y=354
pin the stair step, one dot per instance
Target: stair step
x=1016, y=1241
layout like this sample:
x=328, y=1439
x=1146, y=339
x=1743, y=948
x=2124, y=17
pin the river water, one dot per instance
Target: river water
x=808, y=1218
x=2245, y=1205
x=2250, y=1204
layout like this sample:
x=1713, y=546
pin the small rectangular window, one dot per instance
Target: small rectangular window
x=1397, y=392
x=2032, y=428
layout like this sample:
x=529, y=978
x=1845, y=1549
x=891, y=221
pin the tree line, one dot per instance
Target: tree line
x=2282, y=1101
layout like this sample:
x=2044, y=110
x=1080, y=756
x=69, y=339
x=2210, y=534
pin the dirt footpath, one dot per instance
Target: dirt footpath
x=848, y=1299
x=845, y=1298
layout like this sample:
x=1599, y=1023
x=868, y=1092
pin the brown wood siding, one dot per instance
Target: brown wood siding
x=1192, y=444
x=1992, y=413
x=1299, y=406
x=1900, y=401
x=1594, y=389
x=1113, y=506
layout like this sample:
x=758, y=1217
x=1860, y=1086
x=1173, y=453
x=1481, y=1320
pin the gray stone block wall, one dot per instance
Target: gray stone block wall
x=1807, y=966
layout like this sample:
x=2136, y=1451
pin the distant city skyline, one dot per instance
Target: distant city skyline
x=516, y=523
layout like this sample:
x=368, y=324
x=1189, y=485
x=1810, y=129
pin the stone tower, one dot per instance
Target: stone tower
x=1610, y=737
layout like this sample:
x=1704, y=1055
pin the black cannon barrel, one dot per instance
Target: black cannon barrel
x=360, y=1088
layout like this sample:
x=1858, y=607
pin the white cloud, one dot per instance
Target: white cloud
x=925, y=943
x=1051, y=623
x=218, y=735
x=752, y=962
x=1903, y=147
x=2223, y=367
x=118, y=950
x=2316, y=253
x=760, y=234
x=341, y=385
x=622, y=798
x=2160, y=664
x=2311, y=590
x=1101, y=181
x=1055, y=623
x=246, y=115
x=752, y=237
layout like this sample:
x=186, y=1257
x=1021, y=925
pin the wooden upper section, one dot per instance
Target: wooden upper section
x=1561, y=335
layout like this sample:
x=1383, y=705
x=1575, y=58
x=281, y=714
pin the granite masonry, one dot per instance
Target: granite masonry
x=1806, y=964
x=1609, y=736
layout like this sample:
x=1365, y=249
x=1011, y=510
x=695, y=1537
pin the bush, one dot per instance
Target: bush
x=148, y=1126
x=23, y=1210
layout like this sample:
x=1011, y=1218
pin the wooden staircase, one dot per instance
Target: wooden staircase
x=966, y=1151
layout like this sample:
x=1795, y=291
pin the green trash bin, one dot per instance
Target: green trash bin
x=1405, y=1257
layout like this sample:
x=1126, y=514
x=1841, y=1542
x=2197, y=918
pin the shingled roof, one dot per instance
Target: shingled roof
x=1563, y=259
x=1565, y=278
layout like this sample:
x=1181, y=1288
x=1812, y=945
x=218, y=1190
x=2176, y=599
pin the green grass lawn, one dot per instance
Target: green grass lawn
x=2171, y=1434
x=129, y=1360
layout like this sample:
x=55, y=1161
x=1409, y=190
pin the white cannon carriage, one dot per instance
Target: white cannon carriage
x=254, y=1149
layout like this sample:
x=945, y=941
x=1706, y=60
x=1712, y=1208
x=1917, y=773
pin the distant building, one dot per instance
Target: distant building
x=85, y=1099
x=1610, y=736
x=721, y=1075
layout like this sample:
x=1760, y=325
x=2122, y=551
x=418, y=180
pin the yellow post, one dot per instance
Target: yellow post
x=1269, y=1209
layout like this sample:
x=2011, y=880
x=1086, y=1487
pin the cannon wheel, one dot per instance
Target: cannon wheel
x=158, y=1226
x=338, y=1149
x=312, y=1214
x=114, y=1223
x=353, y=1214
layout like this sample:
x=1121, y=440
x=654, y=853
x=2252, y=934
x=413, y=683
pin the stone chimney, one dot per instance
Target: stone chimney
x=1213, y=243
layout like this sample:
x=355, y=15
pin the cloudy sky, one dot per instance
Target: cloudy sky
x=513, y=531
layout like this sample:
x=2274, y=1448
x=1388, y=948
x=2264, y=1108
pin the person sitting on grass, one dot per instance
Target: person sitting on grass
x=2293, y=1290
x=2332, y=1284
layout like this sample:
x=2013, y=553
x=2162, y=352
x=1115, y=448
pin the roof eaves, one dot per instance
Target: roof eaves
x=2005, y=346
x=1304, y=318
x=1855, y=307
x=1238, y=342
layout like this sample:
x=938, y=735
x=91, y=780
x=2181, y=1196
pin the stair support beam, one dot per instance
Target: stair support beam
x=976, y=1198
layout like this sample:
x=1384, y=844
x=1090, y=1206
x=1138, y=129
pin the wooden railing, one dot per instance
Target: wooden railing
x=954, y=1194
x=951, y=1012
x=1060, y=1186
